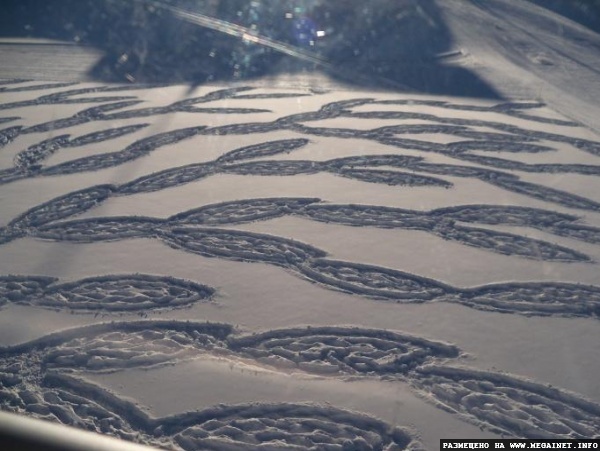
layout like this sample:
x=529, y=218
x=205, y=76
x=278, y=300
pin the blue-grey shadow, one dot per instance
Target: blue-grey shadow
x=403, y=45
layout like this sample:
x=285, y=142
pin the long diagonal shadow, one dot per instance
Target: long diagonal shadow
x=402, y=45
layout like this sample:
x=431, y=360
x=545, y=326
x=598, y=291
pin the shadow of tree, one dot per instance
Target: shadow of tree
x=402, y=44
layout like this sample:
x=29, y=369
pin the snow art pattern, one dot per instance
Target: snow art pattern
x=398, y=144
x=46, y=378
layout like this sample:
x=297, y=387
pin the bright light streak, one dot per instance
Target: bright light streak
x=249, y=35
x=246, y=34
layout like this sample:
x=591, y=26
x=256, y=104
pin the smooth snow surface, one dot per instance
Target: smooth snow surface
x=238, y=265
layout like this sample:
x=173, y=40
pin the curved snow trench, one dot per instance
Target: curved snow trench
x=288, y=179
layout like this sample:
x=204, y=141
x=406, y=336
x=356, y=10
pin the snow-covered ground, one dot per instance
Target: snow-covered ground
x=294, y=261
